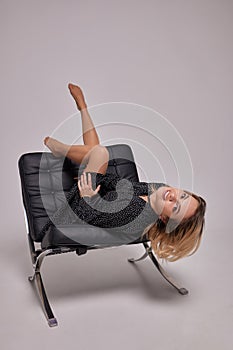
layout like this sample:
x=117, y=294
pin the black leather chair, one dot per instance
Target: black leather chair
x=45, y=180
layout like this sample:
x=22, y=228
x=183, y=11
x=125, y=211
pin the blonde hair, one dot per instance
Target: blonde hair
x=184, y=240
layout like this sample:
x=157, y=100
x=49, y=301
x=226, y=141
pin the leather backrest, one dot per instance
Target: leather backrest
x=46, y=179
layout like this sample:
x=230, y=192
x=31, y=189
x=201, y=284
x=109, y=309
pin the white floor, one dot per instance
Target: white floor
x=101, y=301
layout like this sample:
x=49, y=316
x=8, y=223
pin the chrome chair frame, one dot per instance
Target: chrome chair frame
x=39, y=255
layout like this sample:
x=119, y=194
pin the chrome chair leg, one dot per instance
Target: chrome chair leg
x=52, y=321
x=144, y=256
x=168, y=278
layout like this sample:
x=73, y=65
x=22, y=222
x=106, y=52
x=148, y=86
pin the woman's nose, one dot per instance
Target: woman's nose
x=172, y=196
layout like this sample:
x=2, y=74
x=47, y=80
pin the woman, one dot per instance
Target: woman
x=172, y=219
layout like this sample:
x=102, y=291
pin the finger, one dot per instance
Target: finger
x=79, y=185
x=82, y=180
x=85, y=179
x=97, y=189
x=89, y=180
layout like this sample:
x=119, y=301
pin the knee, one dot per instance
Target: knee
x=98, y=160
x=99, y=151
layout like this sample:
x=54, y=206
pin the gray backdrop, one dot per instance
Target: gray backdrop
x=172, y=56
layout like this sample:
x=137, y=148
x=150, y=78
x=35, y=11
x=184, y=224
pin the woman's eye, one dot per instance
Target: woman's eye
x=183, y=195
x=174, y=208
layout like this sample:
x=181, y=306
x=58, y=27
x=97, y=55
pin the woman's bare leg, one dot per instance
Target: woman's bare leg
x=90, y=136
x=75, y=152
x=91, y=153
x=98, y=159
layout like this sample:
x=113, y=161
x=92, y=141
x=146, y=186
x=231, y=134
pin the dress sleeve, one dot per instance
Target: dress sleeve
x=90, y=208
x=141, y=188
x=146, y=188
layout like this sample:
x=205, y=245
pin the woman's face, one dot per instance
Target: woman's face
x=173, y=203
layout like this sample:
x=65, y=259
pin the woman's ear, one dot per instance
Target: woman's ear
x=163, y=218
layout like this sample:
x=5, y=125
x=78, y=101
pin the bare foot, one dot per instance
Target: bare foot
x=78, y=96
x=58, y=148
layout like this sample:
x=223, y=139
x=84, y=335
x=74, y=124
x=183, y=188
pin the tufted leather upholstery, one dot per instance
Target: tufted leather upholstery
x=46, y=178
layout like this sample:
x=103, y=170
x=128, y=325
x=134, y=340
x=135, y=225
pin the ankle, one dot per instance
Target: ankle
x=81, y=106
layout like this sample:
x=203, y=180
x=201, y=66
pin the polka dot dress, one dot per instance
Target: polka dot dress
x=117, y=206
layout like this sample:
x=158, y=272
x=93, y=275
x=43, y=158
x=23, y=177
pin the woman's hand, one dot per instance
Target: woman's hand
x=85, y=186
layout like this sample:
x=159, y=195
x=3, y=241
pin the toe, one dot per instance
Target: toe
x=46, y=139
